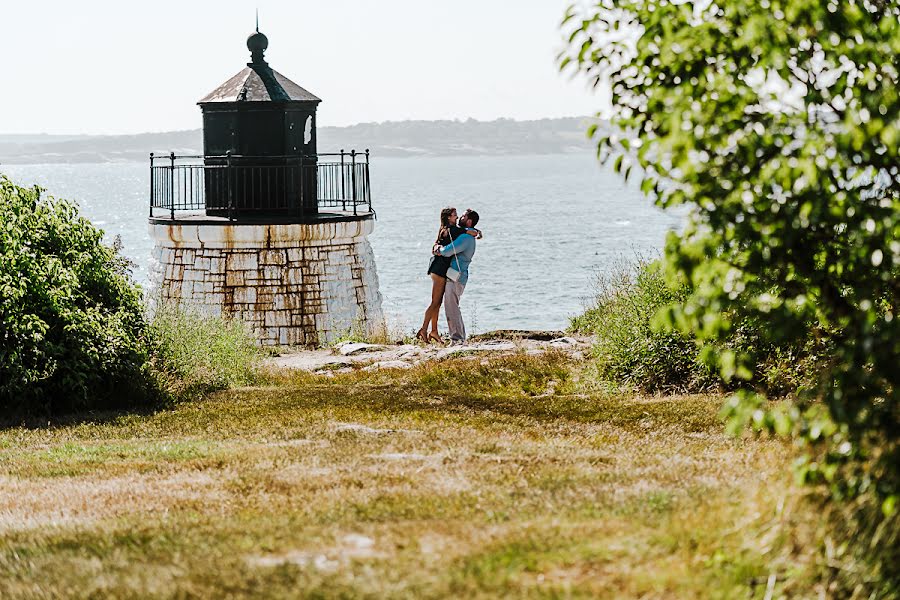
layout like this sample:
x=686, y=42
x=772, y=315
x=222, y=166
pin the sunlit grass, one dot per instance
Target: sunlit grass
x=467, y=478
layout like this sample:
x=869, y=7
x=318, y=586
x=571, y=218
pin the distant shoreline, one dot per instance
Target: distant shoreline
x=388, y=139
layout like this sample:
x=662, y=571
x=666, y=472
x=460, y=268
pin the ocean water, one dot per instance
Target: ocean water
x=550, y=223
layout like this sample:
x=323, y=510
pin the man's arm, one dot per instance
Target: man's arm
x=458, y=246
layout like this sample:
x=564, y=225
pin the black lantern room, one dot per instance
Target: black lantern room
x=259, y=143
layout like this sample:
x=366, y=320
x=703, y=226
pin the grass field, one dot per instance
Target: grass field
x=504, y=477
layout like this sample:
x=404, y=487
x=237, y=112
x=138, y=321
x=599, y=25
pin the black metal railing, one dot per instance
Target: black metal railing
x=235, y=185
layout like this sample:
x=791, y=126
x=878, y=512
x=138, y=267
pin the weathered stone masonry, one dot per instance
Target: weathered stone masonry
x=292, y=283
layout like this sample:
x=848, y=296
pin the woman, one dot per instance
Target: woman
x=437, y=270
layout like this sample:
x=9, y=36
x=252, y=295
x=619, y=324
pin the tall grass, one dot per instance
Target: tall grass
x=629, y=351
x=195, y=354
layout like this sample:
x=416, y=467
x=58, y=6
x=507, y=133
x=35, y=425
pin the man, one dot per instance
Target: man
x=461, y=252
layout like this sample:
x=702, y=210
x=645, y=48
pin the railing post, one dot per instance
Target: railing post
x=302, y=202
x=353, y=178
x=298, y=169
x=229, y=192
x=151, y=184
x=301, y=180
x=343, y=193
x=172, y=185
x=368, y=182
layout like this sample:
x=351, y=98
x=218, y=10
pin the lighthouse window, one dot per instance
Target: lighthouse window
x=307, y=130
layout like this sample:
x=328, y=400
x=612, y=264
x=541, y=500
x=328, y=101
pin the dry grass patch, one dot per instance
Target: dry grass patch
x=28, y=504
x=392, y=485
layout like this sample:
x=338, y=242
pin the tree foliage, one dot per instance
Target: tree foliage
x=778, y=122
x=72, y=327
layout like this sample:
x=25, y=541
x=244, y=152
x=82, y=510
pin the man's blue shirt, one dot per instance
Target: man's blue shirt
x=464, y=248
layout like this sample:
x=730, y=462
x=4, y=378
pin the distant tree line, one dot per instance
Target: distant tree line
x=391, y=138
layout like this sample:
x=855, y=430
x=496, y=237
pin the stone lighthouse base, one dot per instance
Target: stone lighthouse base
x=293, y=284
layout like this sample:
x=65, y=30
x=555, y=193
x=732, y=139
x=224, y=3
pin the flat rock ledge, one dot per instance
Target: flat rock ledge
x=348, y=356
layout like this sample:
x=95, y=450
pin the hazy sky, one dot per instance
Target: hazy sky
x=103, y=66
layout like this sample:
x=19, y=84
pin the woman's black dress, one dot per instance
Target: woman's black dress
x=440, y=264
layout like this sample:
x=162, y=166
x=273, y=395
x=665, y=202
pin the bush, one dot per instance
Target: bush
x=633, y=349
x=194, y=354
x=72, y=329
x=629, y=350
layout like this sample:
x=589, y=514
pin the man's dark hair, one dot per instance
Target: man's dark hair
x=472, y=215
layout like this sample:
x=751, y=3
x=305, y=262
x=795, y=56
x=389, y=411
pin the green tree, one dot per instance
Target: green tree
x=72, y=327
x=778, y=122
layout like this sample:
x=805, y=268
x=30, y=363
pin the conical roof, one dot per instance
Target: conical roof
x=259, y=83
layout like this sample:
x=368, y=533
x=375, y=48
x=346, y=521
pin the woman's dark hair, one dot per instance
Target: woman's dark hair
x=444, y=231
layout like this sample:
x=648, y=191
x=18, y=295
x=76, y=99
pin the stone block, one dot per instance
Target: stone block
x=291, y=336
x=174, y=272
x=292, y=302
x=270, y=333
x=293, y=275
x=191, y=274
x=234, y=278
x=277, y=318
x=338, y=258
x=272, y=257
x=242, y=261
x=217, y=264
x=244, y=295
x=272, y=273
x=315, y=268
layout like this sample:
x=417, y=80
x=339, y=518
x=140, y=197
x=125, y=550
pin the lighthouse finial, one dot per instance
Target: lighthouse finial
x=257, y=44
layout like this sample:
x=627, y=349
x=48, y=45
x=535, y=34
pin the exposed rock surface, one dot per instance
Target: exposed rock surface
x=354, y=355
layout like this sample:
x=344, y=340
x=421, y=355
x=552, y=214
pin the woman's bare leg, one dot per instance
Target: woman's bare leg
x=437, y=297
x=434, y=309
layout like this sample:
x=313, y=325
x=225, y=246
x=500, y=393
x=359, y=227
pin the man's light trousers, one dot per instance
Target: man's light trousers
x=452, y=293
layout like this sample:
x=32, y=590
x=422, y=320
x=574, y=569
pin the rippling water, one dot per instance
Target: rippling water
x=550, y=222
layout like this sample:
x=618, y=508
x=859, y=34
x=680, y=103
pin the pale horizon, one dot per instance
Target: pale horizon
x=97, y=68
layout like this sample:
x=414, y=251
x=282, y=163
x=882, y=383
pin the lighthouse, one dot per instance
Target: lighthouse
x=262, y=227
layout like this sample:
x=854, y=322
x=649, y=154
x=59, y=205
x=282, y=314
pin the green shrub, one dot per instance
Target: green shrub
x=72, y=329
x=636, y=351
x=629, y=350
x=194, y=354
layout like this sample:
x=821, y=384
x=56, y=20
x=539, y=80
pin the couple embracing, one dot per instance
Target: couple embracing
x=449, y=272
